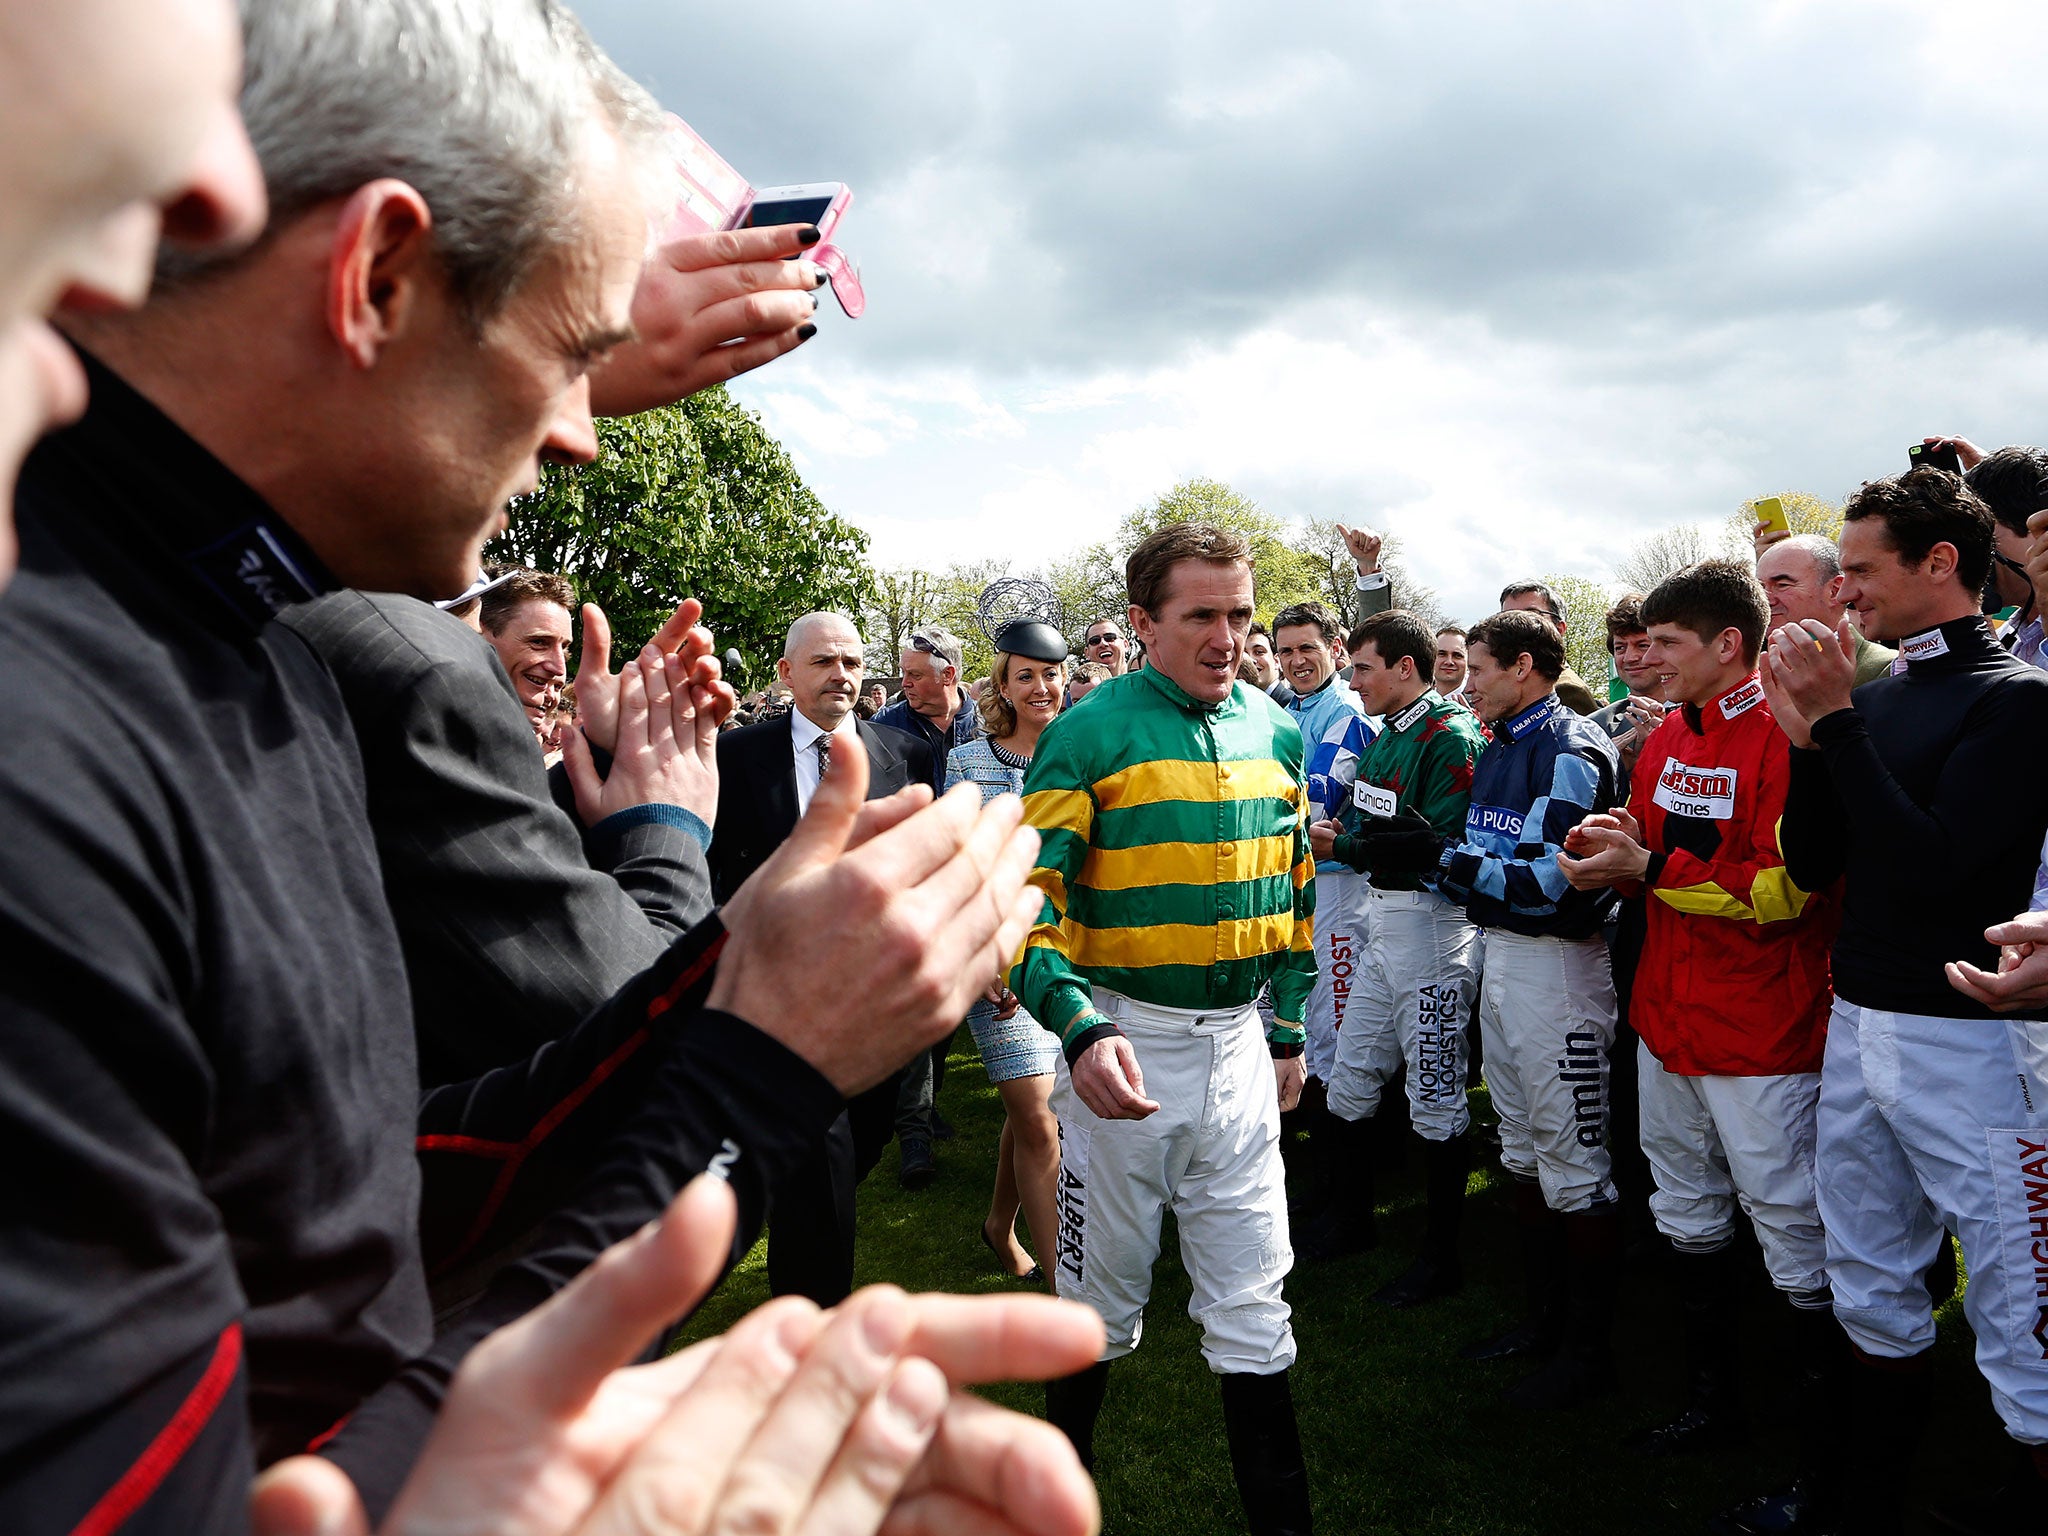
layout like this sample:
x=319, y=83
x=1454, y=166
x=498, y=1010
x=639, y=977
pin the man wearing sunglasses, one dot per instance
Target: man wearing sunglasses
x=934, y=708
x=1105, y=644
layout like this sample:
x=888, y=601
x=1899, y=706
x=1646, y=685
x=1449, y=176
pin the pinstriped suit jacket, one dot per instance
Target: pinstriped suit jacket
x=515, y=923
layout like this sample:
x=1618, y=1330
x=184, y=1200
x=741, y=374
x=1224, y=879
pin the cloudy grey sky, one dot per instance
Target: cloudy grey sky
x=1520, y=282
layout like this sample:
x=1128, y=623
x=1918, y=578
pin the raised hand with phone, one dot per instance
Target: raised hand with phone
x=732, y=286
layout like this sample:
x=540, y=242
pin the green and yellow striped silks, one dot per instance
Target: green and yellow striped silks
x=1175, y=861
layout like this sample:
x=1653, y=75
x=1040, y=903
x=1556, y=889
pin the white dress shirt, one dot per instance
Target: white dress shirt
x=805, y=736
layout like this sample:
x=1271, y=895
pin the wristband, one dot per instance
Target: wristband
x=1101, y=1029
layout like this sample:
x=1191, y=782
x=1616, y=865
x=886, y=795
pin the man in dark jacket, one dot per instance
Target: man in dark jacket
x=1933, y=1109
x=767, y=775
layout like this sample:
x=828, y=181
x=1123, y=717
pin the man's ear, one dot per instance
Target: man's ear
x=381, y=257
x=1942, y=561
x=1139, y=623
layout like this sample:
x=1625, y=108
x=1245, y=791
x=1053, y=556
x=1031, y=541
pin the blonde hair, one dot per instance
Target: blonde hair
x=998, y=714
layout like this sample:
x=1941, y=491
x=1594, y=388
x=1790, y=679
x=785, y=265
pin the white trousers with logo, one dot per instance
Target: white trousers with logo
x=1411, y=1002
x=1718, y=1142
x=1340, y=928
x=1546, y=1020
x=1211, y=1151
x=1925, y=1124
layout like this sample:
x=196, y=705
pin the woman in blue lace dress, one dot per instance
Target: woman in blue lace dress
x=1023, y=695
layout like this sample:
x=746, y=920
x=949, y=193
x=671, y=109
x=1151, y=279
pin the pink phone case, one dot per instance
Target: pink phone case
x=714, y=196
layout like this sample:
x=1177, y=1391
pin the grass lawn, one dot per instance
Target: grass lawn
x=1400, y=1435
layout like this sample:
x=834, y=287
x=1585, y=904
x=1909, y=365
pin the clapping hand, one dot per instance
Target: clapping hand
x=664, y=744
x=2037, y=558
x=1813, y=668
x=1603, y=851
x=797, y=1421
x=597, y=686
x=940, y=893
x=2022, y=977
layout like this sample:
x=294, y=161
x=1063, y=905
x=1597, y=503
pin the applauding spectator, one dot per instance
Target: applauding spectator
x=1897, y=784
x=1730, y=1062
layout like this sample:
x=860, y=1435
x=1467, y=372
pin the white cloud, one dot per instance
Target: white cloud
x=1521, y=283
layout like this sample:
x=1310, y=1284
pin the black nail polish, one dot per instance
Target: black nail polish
x=806, y=331
x=814, y=303
x=808, y=235
x=824, y=277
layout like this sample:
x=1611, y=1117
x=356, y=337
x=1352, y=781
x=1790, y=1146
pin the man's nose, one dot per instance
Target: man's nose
x=572, y=434
x=223, y=204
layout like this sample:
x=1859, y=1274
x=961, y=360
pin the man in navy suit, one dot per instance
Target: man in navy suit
x=766, y=776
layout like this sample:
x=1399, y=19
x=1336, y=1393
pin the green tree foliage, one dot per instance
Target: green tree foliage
x=695, y=500
x=1090, y=586
x=958, y=608
x=1585, y=635
x=908, y=599
x=903, y=599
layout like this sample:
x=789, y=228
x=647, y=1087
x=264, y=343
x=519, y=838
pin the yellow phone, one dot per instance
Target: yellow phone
x=1770, y=511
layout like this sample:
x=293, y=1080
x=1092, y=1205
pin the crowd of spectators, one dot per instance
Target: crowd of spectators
x=402, y=1036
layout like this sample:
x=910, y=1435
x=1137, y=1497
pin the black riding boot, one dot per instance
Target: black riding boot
x=1583, y=1367
x=2018, y=1502
x=1265, y=1453
x=1811, y=1504
x=1446, y=1168
x=1877, y=1410
x=1712, y=1416
x=1887, y=1402
x=1310, y=1118
x=1346, y=1225
x=1541, y=1233
x=1072, y=1404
